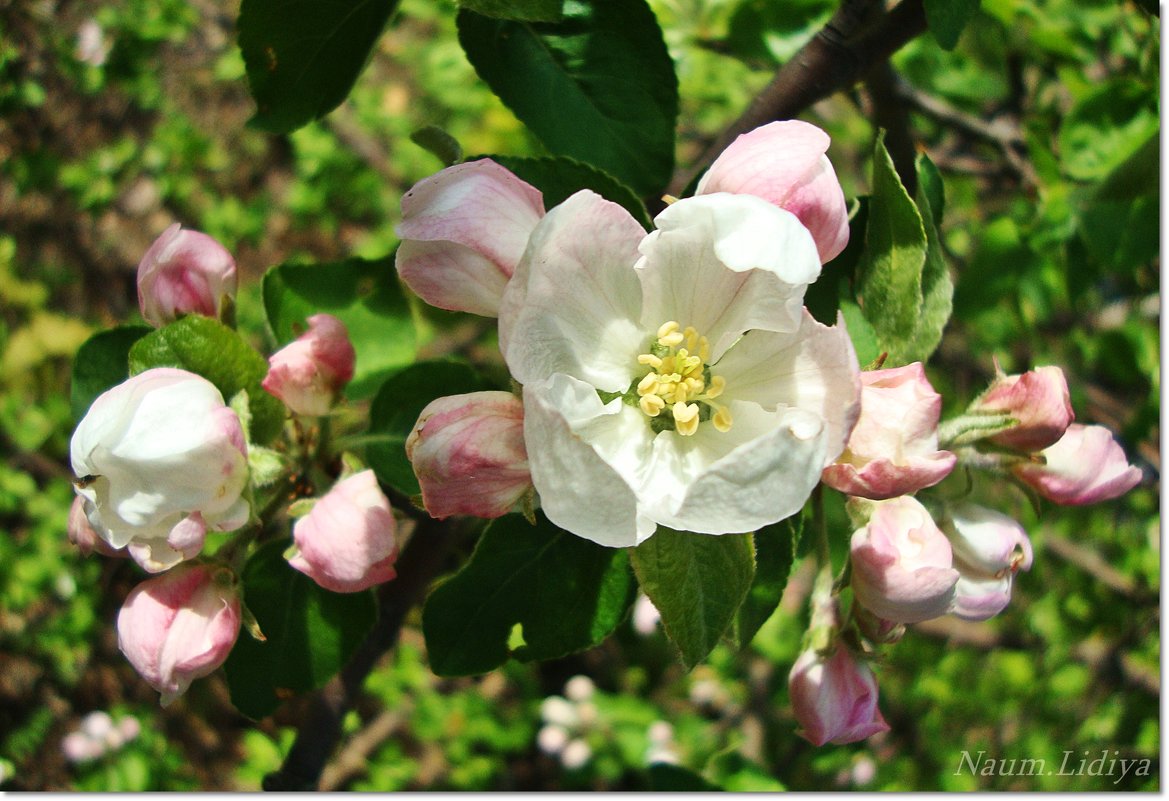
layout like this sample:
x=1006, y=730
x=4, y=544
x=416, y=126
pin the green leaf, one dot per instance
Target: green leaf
x=903, y=285
x=522, y=10
x=598, y=86
x=860, y=331
x=102, y=362
x=889, y=274
x=439, y=143
x=667, y=778
x=311, y=633
x=775, y=552
x=697, y=582
x=947, y=18
x=395, y=410
x=937, y=289
x=364, y=295
x=303, y=56
x=1107, y=127
x=211, y=349
x=557, y=177
x=564, y=592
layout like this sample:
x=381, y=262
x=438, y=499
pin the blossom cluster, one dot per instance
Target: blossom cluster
x=674, y=378
x=913, y=559
x=163, y=460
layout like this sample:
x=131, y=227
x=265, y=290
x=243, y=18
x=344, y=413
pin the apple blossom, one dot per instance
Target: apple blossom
x=160, y=460
x=463, y=231
x=180, y=626
x=902, y=564
x=785, y=163
x=184, y=272
x=468, y=453
x=1087, y=465
x=989, y=548
x=1038, y=400
x=347, y=543
x=893, y=449
x=673, y=378
x=309, y=374
x=834, y=698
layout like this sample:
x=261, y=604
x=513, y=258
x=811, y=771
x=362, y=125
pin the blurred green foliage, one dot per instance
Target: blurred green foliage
x=1043, y=123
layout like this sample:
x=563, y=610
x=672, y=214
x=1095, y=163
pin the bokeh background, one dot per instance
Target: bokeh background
x=119, y=117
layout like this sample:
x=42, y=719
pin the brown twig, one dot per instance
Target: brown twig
x=838, y=56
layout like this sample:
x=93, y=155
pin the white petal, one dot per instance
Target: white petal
x=574, y=302
x=726, y=264
x=758, y=481
x=579, y=490
x=813, y=369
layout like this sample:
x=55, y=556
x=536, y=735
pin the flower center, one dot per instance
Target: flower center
x=680, y=380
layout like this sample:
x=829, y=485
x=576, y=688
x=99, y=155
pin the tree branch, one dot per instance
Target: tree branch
x=420, y=562
x=838, y=56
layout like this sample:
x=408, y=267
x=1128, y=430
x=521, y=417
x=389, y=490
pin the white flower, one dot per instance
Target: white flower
x=160, y=460
x=674, y=378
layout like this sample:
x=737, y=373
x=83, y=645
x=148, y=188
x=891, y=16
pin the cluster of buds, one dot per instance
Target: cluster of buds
x=162, y=459
x=916, y=559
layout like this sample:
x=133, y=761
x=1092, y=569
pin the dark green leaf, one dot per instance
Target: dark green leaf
x=824, y=297
x=311, y=633
x=565, y=593
x=667, y=778
x=775, y=552
x=767, y=32
x=697, y=582
x=557, y=177
x=523, y=10
x=438, y=142
x=395, y=410
x=947, y=18
x=598, y=86
x=364, y=295
x=211, y=349
x=303, y=56
x=103, y=361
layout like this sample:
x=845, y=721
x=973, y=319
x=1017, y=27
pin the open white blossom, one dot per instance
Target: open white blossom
x=674, y=378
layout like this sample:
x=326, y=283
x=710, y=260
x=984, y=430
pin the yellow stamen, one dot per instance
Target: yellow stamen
x=685, y=418
x=679, y=380
x=649, y=384
x=652, y=404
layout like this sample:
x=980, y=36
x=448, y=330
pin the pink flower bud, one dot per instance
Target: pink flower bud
x=463, y=231
x=1037, y=399
x=784, y=163
x=989, y=548
x=310, y=373
x=81, y=533
x=893, y=449
x=180, y=626
x=160, y=459
x=347, y=542
x=834, y=698
x=902, y=564
x=468, y=453
x=184, y=272
x=1086, y=466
